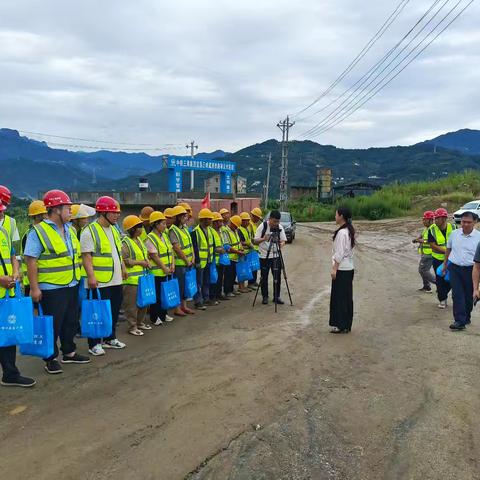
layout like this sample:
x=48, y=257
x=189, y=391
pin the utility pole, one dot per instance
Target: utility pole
x=192, y=148
x=284, y=126
x=268, y=179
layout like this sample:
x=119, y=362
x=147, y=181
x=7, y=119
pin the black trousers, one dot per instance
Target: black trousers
x=443, y=287
x=462, y=293
x=115, y=295
x=274, y=265
x=62, y=305
x=7, y=361
x=156, y=310
x=229, y=274
x=341, y=300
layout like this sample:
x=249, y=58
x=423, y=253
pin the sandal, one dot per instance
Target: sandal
x=143, y=326
x=137, y=333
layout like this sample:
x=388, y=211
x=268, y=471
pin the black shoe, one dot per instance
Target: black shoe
x=53, y=367
x=24, y=382
x=279, y=301
x=76, y=359
x=468, y=322
x=223, y=298
x=457, y=326
x=265, y=301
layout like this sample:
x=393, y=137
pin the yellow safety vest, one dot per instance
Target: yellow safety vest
x=6, y=254
x=246, y=236
x=425, y=248
x=217, y=242
x=440, y=240
x=253, y=229
x=56, y=265
x=102, y=259
x=25, y=280
x=205, y=245
x=185, y=242
x=143, y=235
x=10, y=225
x=165, y=252
x=234, y=242
x=137, y=253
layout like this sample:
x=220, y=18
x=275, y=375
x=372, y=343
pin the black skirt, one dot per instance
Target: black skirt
x=341, y=300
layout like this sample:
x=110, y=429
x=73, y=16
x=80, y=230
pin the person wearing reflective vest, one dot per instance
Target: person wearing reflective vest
x=256, y=220
x=37, y=213
x=162, y=258
x=101, y=253
x=9, y=272
x=438, y=235
x=234, y=250
x=52, y=253
x=7, y=222
x=202, y=241
x=247, y=245
x=135, y=257
x=425, y=252
x=184, y=256
x=145, y=216
x=215, y=290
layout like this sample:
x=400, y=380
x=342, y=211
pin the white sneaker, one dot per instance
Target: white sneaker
x=97, y=350
x=158, y=322
x=442, y=305
x=230, y=295
x=168, y=318
x=115, y=343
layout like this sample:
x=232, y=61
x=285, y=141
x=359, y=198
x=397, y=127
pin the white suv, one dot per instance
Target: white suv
x=468, y=207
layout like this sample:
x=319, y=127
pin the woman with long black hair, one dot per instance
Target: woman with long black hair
x=341, y=299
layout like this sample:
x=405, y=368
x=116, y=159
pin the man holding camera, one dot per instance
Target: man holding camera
x=270, y=238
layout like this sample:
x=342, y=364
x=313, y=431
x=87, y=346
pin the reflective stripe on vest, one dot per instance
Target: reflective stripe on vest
x=56, y=265
x=253, y=231
x=440, y=240
x=6, y=254
x=137, y=253
x=217, y=242
x=425, y=248
x=10, y=225
x=25, y=280
x=164, y=250
x=185, y=243
x=234, y=242
x=102, y=259
x=204, y=245
x=246, y=236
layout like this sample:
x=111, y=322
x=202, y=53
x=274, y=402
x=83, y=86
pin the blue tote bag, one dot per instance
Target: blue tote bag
x=170, y=294
x=254, y=260
x=82, y=291
x=243, y=270
x=96, y=317
x=146, y=293
x=42, y=345
x=440, y=273
x=16, y=319
x=224, y=259
x=213, y=273
x=190, y=283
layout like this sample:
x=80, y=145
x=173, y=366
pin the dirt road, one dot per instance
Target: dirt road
x=235, y=393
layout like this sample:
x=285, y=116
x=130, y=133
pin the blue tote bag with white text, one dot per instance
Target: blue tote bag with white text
x=42, y=344
x=96, y=317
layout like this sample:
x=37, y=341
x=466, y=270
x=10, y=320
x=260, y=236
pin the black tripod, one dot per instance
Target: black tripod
x=278, y=266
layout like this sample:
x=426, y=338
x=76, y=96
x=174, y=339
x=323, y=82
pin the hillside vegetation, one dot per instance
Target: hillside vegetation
x=398, y=200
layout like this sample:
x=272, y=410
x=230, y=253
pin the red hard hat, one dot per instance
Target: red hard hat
x=5, y=195
x=2, y=207
x=107, y=205
x=429, y=215
x=441, y=212
x=56, y=198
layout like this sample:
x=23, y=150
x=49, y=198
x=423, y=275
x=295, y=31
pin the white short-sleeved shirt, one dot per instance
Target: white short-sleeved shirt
x=264, y=246
x=342, y=251
x=463, y=247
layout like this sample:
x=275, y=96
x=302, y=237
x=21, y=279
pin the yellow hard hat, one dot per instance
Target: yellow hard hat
x=217, y=216
x=205, y=213
x=131, y=221
x=245, y=216
x=156, y=216
x=37, y=207
x=178, y=210
x=186, y=206
x=168, y=212
x=82, y=211
x=236, y=220
x=257, y=212
x=224, y=210
x=145, y=213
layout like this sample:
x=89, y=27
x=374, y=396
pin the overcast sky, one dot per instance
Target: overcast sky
x=224, y=72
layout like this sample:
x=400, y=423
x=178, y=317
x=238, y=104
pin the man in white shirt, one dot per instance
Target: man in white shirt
x=459, y=259
x=266, y=248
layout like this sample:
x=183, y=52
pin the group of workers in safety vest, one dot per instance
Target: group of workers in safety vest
x=64, y=246
x=432, y=249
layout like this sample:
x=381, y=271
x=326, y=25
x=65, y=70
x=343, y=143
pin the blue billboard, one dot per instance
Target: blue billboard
x=176, y=166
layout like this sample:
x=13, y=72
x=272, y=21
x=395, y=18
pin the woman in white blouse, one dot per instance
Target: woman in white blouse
x=341, y=298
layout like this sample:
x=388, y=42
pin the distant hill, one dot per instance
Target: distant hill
x=465, y=141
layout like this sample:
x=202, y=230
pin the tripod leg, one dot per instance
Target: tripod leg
x=261, y=275
x=285, y=277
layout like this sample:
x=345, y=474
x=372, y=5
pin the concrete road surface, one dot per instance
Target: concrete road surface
x=243, y=394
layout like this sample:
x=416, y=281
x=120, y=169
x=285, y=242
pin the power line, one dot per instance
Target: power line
x=374, y=92
x=393, y=16
x=96, y=147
